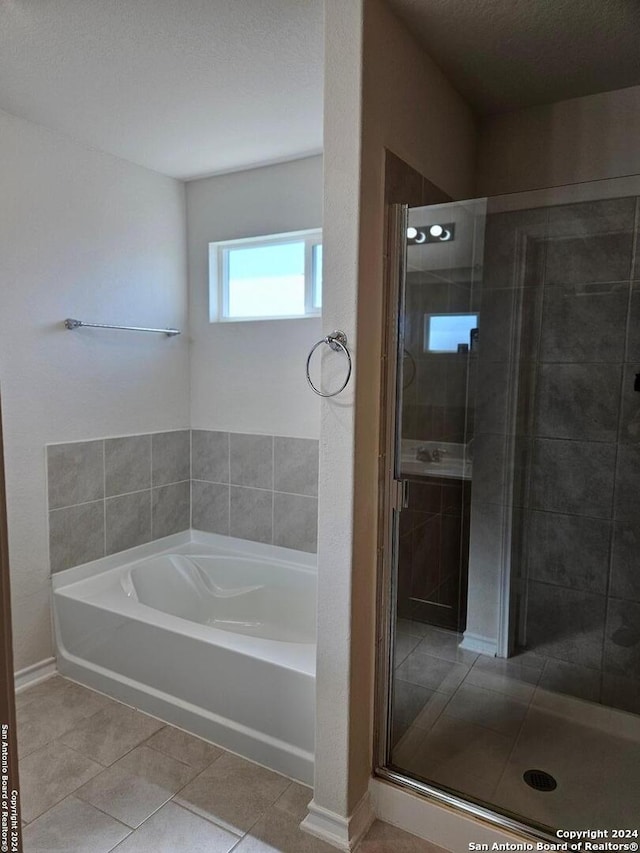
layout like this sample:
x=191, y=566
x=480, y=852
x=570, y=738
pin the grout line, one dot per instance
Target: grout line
x=229, y=483
x=104, y=497
x=273, y=485
x=256, y=489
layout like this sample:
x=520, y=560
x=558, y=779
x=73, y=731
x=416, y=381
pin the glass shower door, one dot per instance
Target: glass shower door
x=516, y=584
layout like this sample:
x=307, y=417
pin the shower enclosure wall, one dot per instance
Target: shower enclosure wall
x=513, y=592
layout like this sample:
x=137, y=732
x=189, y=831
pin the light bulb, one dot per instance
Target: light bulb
x=436, y=230
x=412, y=232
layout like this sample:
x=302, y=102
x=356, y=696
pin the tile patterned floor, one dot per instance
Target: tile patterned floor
x=474, y=724
x=98, y=776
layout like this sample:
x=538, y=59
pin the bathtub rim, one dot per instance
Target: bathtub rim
x=157, y=547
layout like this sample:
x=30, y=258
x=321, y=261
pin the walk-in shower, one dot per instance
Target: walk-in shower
x=511, y=585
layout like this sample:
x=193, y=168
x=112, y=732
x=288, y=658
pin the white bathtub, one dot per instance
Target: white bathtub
x=213, y=634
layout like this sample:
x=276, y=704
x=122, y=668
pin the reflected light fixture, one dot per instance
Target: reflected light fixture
x=437, y=233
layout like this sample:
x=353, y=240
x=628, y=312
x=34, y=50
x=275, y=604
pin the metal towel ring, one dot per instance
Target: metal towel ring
x=338, y=342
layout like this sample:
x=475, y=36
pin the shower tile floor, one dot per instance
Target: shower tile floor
x=474, y=724
x=99, y=776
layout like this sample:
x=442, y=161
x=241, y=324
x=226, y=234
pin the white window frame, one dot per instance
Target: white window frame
x=426, y=333
x=219, y=274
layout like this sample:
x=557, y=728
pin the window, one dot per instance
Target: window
x=266, y=278
x=444, y=332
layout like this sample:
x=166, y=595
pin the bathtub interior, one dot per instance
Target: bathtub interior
x=241, y=594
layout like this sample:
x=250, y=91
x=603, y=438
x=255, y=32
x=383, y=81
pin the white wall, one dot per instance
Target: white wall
x=85, y=235
x=381, y=90
x=582, y=139
x=249, y=377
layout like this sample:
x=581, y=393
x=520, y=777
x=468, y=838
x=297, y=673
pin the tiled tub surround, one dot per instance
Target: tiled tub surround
x=258, y=487
x=215, y=635
x=112, y=494
x=564, y=283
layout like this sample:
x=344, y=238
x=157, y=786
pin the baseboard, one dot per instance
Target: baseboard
x=478, y=643
x=345, y=833
x=438, y=823
x=34, y=674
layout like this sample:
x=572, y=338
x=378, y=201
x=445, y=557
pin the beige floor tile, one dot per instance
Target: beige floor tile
x=487, y=708
x=137, y=785
x=404, y=645
x=295, y=800
x=384, y=838
x=111, y=733
x=515, y=680
x=194, y=751
x=173, y=829
x=432, y=672
x=446, y=645
x=409, y=626
x=455, y=747
x=49, y=774
x=39, y=691
x=54, y=711
x=73, y=827
x=279, y=832
x=233, y=792
x=432, y=710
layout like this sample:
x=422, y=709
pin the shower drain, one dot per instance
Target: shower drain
x=539, y=780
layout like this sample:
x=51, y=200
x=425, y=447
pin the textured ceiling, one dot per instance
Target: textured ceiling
x=185, y=87
x=195, y=87
x=507, y=54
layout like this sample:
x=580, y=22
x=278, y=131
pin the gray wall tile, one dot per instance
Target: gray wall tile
x=210, y=507
x=578, y=401
x=573, y=476
x=170, y=509
x=128, y=521
x=621, y=692
x=252, y=460
x=622, y=641
x=569, y=550
x=75, y=473
x=625, y=561
x=296, y=465
x=251, y=514
x=489, y=464
x=171, y=457
x=630, y=416
x=514, y=248
x=566, y=624
x=584, y=322
x=595, y=258
x=295, y=522
x=627, y=499
x=127, y=464
x=587, y=218
x=633, y=334
x=76, y=535
x=210, y=455
x=572, y=680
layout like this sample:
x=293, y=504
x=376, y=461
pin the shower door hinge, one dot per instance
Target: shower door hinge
x=400, y=495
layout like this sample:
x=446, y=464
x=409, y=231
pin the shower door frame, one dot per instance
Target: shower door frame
x=390, y=500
